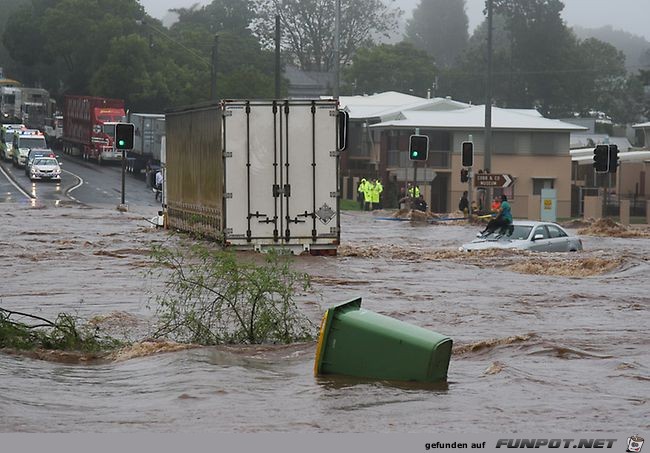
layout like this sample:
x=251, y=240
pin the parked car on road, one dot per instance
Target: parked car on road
x=528, y=235
x=45, y=168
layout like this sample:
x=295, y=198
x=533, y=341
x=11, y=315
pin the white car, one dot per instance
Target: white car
x=528, y=235
x=45, y=168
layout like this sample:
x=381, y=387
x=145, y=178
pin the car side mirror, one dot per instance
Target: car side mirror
x=538, y=236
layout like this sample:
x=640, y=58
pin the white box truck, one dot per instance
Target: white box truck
x=257, y=174
x=148, y=131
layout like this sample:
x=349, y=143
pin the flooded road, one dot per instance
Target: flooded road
x=533, y=351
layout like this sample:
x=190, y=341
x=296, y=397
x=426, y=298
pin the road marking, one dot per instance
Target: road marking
x=13, y=183
x=67, y=192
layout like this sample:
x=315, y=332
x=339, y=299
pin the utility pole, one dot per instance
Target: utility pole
x=337, y=50
x=278, y=68
x=487, y=153
x=213, y=69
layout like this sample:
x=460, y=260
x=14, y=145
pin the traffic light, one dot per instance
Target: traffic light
x=464, y=175
x=468, y=154
x=613, y=158
x=418, y=147
x=601, y=158
x=124, y=136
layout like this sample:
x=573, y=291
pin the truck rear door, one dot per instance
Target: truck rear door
x=281, y=173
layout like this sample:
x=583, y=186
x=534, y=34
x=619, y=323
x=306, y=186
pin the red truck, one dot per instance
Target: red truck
x=89, y=127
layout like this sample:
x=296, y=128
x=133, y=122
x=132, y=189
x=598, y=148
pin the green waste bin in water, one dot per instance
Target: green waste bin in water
x=358, y=342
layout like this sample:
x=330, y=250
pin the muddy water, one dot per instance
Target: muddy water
x=542, y=342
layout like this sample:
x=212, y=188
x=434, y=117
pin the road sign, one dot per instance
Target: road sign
x=492, y=180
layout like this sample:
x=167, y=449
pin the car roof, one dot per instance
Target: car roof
x=532, y=223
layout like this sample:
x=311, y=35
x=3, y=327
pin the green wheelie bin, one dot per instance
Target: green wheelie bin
x=357, y=342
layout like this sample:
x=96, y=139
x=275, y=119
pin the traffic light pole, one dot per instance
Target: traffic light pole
x=470, y=196
x=123, y=174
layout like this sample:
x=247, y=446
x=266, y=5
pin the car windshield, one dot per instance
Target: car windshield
x=32, y=143
x=35, y=154
x=45, y=161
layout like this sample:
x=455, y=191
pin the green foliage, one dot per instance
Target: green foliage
x=113, y=49
x=350, y=205
x=308, y=28
x=63, y=334
x=211, y=297
x=539, y=63
x=399, y=67
x=439, y=27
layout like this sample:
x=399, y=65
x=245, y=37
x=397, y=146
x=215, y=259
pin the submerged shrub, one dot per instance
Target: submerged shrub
x=212, y=297
x=63, y=334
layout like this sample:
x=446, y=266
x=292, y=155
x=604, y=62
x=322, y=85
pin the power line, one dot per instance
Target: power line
x=192, y=52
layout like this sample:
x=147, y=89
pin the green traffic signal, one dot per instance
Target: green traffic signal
x=418, y=147
x=124, y=133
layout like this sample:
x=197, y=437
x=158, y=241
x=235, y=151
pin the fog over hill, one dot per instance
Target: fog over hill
x=627, y=15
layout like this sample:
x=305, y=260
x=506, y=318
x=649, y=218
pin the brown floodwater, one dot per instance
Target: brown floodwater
x=541, y=342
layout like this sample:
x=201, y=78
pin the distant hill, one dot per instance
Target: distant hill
x=633, y=46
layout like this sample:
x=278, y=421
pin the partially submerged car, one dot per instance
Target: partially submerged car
x=528, y=235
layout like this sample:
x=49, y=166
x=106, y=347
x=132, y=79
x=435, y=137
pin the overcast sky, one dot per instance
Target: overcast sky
x=630, y=15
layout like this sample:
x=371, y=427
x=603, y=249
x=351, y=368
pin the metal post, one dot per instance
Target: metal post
x=415, y=168
x=277, y=57
x=213, y=69
x=337, y=50
x=487, y=153
x=470, y=176
x=123, y=172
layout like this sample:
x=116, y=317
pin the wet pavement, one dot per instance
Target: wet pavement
x=533, y=351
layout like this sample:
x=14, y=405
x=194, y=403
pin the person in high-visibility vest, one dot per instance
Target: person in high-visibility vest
x=361, y=189
x=376, y=193
x=368, y=194
x=414, y=192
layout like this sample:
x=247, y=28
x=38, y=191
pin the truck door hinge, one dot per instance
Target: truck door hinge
x=227, y=195
x=227, y=154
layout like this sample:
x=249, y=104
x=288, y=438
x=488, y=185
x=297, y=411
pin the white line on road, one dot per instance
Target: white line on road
x=81, y=181
x=13, y=183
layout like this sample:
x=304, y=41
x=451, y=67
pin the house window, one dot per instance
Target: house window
x=542, y=183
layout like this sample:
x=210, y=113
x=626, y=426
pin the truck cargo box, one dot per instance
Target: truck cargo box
x=149, y=129
x=256, y=174
x=89, y=126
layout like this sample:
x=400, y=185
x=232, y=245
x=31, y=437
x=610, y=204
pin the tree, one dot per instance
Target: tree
x=439, y=27
x=399, y=67
x=234, y=16
x=244, y=69
x=308, y=28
